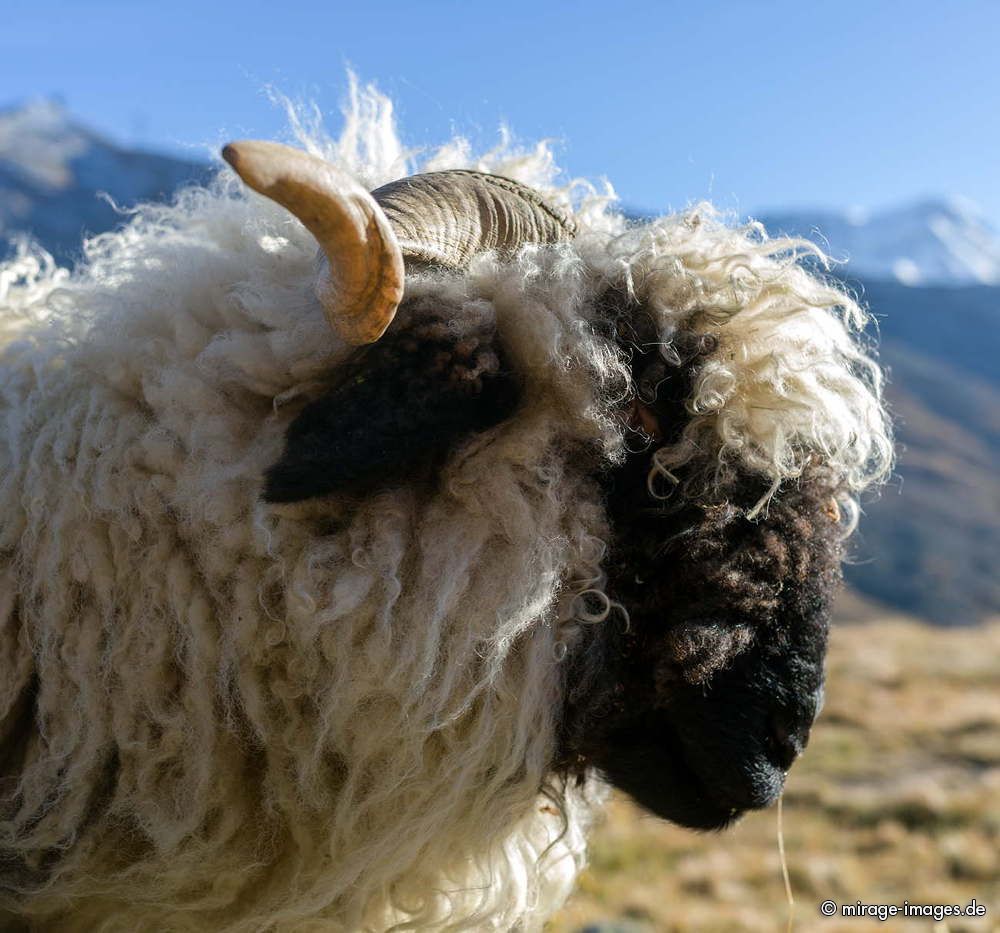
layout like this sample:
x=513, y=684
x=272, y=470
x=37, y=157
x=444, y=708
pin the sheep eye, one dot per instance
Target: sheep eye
x=649, y=382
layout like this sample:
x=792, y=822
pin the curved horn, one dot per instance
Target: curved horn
x=449, y=217
x=362, y=284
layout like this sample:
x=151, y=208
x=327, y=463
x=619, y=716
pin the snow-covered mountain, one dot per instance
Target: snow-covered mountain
x=54, y=173
x=932, y=242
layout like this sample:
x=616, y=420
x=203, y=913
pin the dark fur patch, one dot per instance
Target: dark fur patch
x=400, y=406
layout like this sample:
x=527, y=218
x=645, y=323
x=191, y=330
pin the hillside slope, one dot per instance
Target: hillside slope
x=930, y=543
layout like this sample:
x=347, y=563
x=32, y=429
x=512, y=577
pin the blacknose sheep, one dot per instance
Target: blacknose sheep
x=328, y=628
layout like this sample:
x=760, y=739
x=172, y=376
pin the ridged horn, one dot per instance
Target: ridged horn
x=448, y=217
x=362, y=282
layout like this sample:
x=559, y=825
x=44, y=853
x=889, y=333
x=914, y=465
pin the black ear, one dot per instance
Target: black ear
x=400, y=406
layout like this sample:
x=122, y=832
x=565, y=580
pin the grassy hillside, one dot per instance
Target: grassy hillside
x=897, y=797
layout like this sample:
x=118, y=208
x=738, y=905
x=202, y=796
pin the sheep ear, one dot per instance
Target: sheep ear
x=403, y=404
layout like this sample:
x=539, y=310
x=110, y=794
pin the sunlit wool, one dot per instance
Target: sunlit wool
x=217, y=714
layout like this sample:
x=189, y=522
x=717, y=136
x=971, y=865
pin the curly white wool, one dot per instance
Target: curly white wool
x=337, y=715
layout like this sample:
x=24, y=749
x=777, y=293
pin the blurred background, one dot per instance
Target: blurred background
x=871, y=128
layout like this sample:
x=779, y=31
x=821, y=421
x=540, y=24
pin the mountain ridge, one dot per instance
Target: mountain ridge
x=59, y=180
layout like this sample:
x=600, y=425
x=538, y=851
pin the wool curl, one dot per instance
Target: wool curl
x=790, y=382
x=220, y=714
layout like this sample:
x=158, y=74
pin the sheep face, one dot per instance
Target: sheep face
x=699, y=703
x=701, y=706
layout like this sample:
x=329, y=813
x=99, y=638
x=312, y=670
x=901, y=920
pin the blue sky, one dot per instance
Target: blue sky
x=754, y=104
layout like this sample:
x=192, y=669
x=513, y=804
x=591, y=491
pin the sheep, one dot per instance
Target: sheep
x=352, y=627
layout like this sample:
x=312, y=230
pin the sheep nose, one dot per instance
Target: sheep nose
x=786, y=740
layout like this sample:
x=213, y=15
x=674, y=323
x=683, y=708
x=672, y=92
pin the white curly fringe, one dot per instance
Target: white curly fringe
x=790, y=383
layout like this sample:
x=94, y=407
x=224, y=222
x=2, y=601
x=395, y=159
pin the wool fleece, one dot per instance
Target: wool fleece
x=220, y=714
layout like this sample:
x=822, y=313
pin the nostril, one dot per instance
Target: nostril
x=785, y=744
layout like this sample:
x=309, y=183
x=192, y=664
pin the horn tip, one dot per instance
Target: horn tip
x=254, y=161
x=245, y=156
x=262, y=165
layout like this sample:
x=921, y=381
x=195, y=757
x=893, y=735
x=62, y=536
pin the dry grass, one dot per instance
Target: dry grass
x=898, y=797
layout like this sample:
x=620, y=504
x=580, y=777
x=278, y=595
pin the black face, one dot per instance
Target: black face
x=699, y=708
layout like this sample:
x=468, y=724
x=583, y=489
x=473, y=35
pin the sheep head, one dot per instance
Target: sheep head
x=698, y=691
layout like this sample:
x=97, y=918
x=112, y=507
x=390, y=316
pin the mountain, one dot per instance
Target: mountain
x=932, y=242
x=930, y=272
x=930, y=544
x=55, y=173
